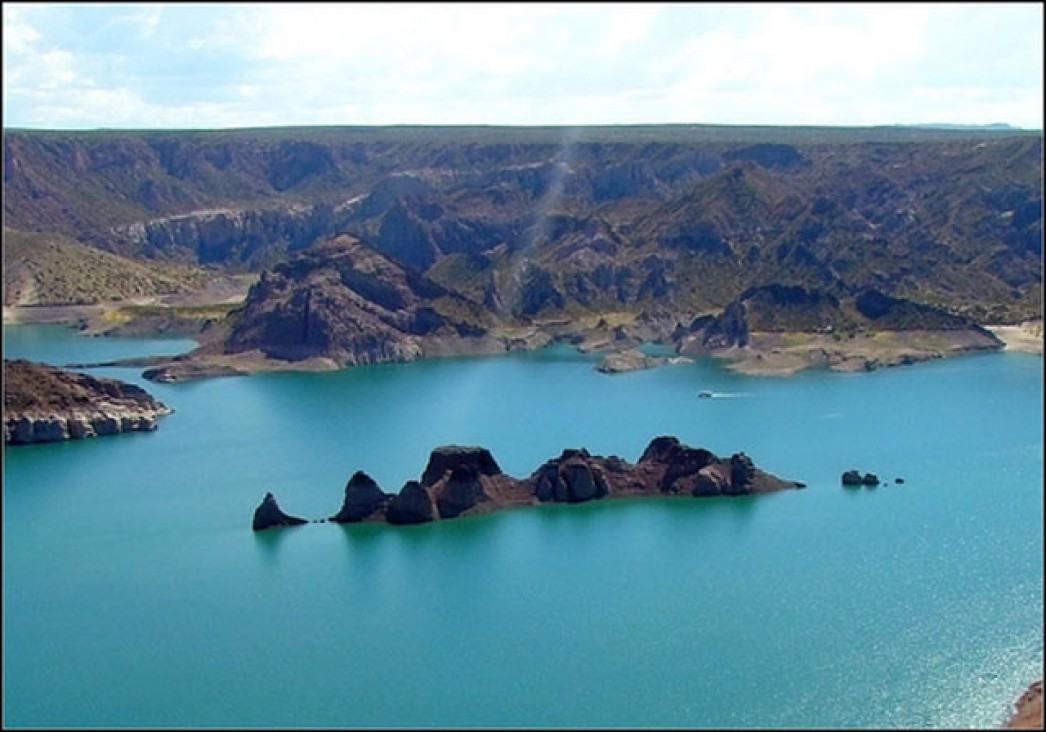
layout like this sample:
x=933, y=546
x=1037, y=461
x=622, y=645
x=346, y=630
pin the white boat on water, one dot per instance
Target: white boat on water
x=704, y=394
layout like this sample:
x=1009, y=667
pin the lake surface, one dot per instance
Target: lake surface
x=135, y=593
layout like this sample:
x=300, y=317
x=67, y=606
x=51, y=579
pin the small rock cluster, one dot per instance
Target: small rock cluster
x=853, y=478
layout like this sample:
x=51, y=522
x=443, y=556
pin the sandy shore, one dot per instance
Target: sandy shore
x=41, y=314
x=95, y=317
x=1026, y=337
x=1028, y=709
x=783, y=354
x=767, y=354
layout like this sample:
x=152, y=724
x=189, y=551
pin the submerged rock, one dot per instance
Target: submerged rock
x=269, y=514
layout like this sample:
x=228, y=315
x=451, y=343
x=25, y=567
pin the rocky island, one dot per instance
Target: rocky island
x=43, y=403
x=462, y=481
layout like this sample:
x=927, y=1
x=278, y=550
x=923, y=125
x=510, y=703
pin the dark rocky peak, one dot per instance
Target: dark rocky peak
x=679, y=465
x=269, y=514
x=343, y=300
x=742, y=470
x=412, y=505
x=728, y=329
x=573, y=477
x=678, y=469
x=668, y=450
x=363, y=499
x=459, y=490
x=660, y=448
x=465, y=460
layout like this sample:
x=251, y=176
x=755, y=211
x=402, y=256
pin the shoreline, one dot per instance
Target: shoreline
x=1025, y=337
x=774, y=354
x=767, y=354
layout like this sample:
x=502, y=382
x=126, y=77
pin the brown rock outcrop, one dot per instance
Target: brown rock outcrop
x=363, y=499
x=461, y=481
x=43, y=403
x=269, y=514
x=412, y=505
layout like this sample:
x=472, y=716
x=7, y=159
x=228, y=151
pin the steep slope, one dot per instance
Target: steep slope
x=347, y=302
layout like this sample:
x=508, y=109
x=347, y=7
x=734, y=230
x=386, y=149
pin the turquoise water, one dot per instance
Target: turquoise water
x=135, y=593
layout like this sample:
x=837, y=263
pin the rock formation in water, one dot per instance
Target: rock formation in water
x=854, y=478
x=462, y=481
x=43, y=403
x=269, y=514
x=412, y=505
x=363, y=499
x=630, y=360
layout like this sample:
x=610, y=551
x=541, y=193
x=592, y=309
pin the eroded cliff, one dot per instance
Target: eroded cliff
x=47, y=404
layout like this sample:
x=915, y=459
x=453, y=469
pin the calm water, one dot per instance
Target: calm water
x=135, y=593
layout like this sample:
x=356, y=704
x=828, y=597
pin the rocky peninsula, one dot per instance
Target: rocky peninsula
x=43, y=403
x=462, y=481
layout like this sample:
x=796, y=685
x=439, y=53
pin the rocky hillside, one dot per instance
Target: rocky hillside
x=347, y=302
x=52, y=269
x=47, y=404
x=545, y=223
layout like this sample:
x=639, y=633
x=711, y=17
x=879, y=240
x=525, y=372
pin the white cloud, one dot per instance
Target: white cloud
x=19, y=37
x=356, y=63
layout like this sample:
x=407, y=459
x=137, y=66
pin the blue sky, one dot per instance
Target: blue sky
x=73, y=66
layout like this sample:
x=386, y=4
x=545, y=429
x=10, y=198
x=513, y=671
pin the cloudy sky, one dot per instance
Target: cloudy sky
x=71, y=66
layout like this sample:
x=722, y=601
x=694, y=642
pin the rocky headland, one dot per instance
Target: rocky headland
x=462, y=481
x=47, y=404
